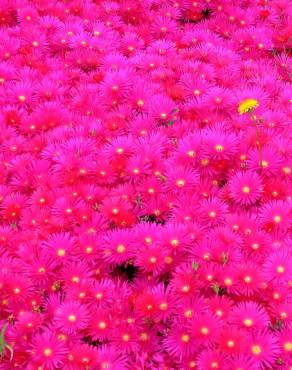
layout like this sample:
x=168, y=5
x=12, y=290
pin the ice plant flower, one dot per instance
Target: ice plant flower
x=145, y=185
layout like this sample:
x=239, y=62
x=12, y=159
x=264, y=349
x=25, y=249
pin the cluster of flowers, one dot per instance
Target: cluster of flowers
x=145, y=194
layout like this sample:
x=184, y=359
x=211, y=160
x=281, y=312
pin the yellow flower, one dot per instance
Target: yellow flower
x=247, y=105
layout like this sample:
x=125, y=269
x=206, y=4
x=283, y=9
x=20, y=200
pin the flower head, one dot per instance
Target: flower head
x=264, y=348
x=247, y=105
x=71, y=317
x=245, y=187
x=47, y=350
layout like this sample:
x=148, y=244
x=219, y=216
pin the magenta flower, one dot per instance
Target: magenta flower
x=145, y=185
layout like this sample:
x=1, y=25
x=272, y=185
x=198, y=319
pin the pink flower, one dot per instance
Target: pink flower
x=276, y=215
x=205, y=328
x=179, y=341
x=110, y=357
x=243, y=362
x=181, y=179
x=277, y=267
x=266, y=160
x=60, y=245
x=47, y=350
x=249, y=316
x=71, y=317
x=245, y=188
x=117, y=247
x=211, y=358
x=231, y=342
x=212, y=212
x=125, y=338
x=264, y=348
x=81, y=355
x=152, y=259
x=145, y=185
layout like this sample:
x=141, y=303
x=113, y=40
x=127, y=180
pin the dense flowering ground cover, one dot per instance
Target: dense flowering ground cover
x=145, y=195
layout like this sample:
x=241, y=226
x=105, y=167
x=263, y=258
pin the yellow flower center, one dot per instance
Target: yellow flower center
x=288, y=346
x=256, y=350
x=219, y=313
x=163, y=306
x=287, y=170
x=174, y=242
x=280, y=269
x=219, y=148
x=228, y=281
x=188, y=313
x=246, y=189
x=283, y=315
x=121, y=248
x=144, y=337
x=102, y=325
x=61, y=252
x=247, y=279
x=48, y=352
x=126, y=337
x=264, y=164
x=22, y=98
x=185, y=338
x=205, y=331
x=186, y=288
x=180, y=183
x=255, y=246
x=248, y=322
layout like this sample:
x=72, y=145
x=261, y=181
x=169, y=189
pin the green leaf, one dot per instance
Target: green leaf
x=95, y=206
x=2, y=333
x=175, y=110
x=170, y=123
x=225, y=258
x=10, y=349
x=195, y=266
x=216, y=288
x=161, y=177
x=3, y=344
x=93, y=132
